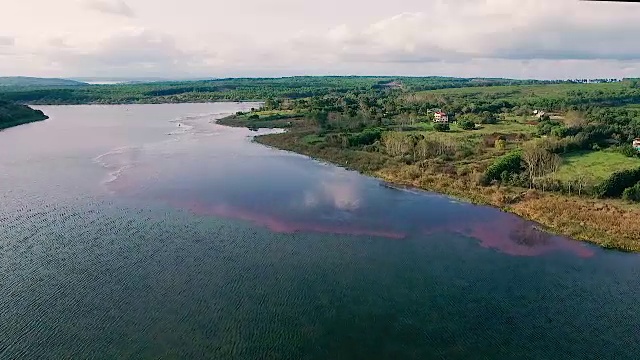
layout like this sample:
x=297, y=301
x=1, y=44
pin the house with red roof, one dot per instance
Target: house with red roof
x=440, y=117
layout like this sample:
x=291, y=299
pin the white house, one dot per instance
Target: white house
x=440, y=117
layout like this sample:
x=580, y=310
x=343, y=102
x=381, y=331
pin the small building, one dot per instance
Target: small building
x=440, y=117
x=636, y=144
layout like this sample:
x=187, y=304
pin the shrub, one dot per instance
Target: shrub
x=560, y=132
x=632, y=193
x=467, y=125
x=254, y=117
x=510, y=163
x=616, y=184
x=441, y=127
x=367, y=137
x=500, y=144
x=627, y=150
x=488, y=118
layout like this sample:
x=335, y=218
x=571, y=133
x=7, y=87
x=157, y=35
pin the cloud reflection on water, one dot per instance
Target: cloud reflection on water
x=289, y=194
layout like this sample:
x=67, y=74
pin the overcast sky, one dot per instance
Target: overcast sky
x=213, y=38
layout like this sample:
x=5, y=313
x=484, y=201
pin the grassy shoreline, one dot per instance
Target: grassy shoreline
x=607, y=223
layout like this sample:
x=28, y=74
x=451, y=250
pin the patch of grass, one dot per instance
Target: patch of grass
x=503, y=127
x=272, y=112
x=313, y=139
x=526, y=90
x=596, y=165
x=506, y=127
x=243, y=121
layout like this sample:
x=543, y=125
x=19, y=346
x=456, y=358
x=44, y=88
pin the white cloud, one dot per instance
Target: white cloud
x=129, y=51
x=510, y=38
x=112, y=7
x=6, y=45
x=7, y=41
x=341, y=194
x=487, y=29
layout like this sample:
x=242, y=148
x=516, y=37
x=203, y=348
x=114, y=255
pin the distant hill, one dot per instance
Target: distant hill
x=33, y=81
x=12, y=114
x=132, y=80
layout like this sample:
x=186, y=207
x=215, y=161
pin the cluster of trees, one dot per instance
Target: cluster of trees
x=532, y=165
x=12, y=114
x=273, y=89
x=618, y=183
x=419, y=147
x=484, y=117
x=539, y=161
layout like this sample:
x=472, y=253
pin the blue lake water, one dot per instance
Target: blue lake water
x=147, y=231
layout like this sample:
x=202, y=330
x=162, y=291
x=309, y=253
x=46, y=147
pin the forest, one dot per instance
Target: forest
x=12, y=114
x=233, y=89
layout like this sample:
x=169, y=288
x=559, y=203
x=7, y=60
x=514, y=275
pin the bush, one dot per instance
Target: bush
x=500, y=144
x=467, y=125
x=616, y=184
x=254, y=117
x=367, y=137
x=560, y=132
x=488, y=118
x=441, y=127
x=510, y=163
x=627, y=150
x=632, y=193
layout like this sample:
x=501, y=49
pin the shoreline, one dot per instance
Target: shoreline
x=140, y=102
x=21, y=122
x=596, y=221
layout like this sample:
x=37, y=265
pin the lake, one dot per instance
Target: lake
x=148, y=231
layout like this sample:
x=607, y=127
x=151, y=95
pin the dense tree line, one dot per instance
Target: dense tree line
x=12, y=114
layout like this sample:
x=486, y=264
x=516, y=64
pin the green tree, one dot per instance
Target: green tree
x=632, y=193
x=321, y=118
x=467, y=124
x=441, y=127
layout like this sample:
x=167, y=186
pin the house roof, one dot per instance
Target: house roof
x=441, y=113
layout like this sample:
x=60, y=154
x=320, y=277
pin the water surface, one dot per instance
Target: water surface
x=146, y=231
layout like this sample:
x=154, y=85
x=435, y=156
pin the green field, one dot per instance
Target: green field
x=313, y=139
x=502, y=127
x=595, y=165
x=530, y=90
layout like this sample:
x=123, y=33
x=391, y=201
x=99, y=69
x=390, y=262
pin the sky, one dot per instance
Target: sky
x=543, y=39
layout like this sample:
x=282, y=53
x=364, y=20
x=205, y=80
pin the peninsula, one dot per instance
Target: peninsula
x=12, y=114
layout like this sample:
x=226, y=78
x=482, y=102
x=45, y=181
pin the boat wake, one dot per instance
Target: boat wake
x=117, y=161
